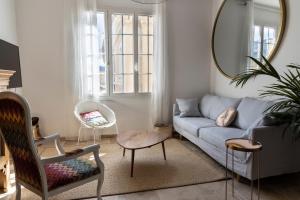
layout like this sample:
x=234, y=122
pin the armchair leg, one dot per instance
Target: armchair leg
x=18, y=191
x=99, y=185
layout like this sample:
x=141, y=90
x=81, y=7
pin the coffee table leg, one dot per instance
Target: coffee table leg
x=132, y=161
x=164, y=151
x=124, y=152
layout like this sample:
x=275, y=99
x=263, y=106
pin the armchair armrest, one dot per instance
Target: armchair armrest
x=52, y=138
x=73, y=154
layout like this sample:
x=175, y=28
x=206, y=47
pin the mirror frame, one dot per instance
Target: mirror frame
x=275, y=49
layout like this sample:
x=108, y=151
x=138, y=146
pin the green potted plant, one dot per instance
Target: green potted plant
x=286, y=88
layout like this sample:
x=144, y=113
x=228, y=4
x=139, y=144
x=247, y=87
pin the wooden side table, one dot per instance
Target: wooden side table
x=244, y=145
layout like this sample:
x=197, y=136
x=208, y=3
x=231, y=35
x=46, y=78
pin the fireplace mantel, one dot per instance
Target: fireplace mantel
x=4, y=78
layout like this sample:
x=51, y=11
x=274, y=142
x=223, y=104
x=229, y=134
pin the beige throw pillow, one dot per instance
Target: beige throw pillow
x=226, y=117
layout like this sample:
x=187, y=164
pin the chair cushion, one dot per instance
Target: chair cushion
x=94, y=118
x=218, y=135
x=193, y=124
x=66, y=172
x=212, y=106
x=249, y=111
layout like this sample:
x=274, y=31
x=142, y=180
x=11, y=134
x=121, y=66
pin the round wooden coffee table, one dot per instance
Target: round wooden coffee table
x=134, y=140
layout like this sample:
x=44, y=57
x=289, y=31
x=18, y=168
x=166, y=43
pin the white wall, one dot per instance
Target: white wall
x=8, y=21
x=40, y=31
x=288, y=53
x=189, y=46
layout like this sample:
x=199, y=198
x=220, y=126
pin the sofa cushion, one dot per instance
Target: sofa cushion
x=193, y=124
x=212, y=106
x=227, y=117
x=218, y=135
x=249, y=111
x=188, y=107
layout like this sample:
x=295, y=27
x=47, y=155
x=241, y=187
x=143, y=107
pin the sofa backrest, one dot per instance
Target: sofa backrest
x=212, y=106
x=249, y=111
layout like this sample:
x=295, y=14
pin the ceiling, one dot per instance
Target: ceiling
x=269, y=3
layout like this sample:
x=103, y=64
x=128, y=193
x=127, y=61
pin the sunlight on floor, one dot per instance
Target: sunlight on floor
x=11, y=190
x=100, y=155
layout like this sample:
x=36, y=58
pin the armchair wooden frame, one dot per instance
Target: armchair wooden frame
x=62, y=156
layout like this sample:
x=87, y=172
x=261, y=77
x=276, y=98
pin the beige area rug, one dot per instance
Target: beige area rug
x=185, y=165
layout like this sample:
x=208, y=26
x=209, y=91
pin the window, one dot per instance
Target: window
x=123, y=53
x=129, y=38
x=145, y=53
x=96, y=51
x=263, y=41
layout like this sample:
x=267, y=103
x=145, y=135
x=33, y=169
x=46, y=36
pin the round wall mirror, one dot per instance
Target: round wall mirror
x=247, y=28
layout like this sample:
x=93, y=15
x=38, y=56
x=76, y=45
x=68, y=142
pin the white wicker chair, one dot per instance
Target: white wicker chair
x=87, y=106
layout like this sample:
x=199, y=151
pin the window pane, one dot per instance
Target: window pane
x=128, y=83
x=117, y=44
x=143, y=64
x=151, y=64
x=102, y=59
x=143, y=25
x=143, y=83
x=118, y=64
x=256, y=43
x=128, y=44
x=90, y=84
x=128, y=64
x=143, y=44
x=118, y=83
x=151, y=25
x=89, y=66
x=102, y=44
x=101, y=23
x=269, y=40
x=151, y=45
x=103, y=88
x=102, y=78
x=127, y=24
x=116, y=24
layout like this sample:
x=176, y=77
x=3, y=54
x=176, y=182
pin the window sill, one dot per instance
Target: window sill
x=121, y=96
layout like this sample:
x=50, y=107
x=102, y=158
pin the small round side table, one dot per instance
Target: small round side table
x=244, y=145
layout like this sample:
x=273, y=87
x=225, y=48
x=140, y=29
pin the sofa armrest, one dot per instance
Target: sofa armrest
x=175, y=109
x=280, y=150
x=279, y=153
x=269, y=134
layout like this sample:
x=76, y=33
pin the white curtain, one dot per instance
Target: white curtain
x=79, y=50
x=82, y=47
x=160, y=95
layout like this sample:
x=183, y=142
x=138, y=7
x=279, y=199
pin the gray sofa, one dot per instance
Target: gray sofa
x=280, y=155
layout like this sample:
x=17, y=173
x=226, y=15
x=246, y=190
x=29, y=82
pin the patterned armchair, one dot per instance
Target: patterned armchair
x=44, y=176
